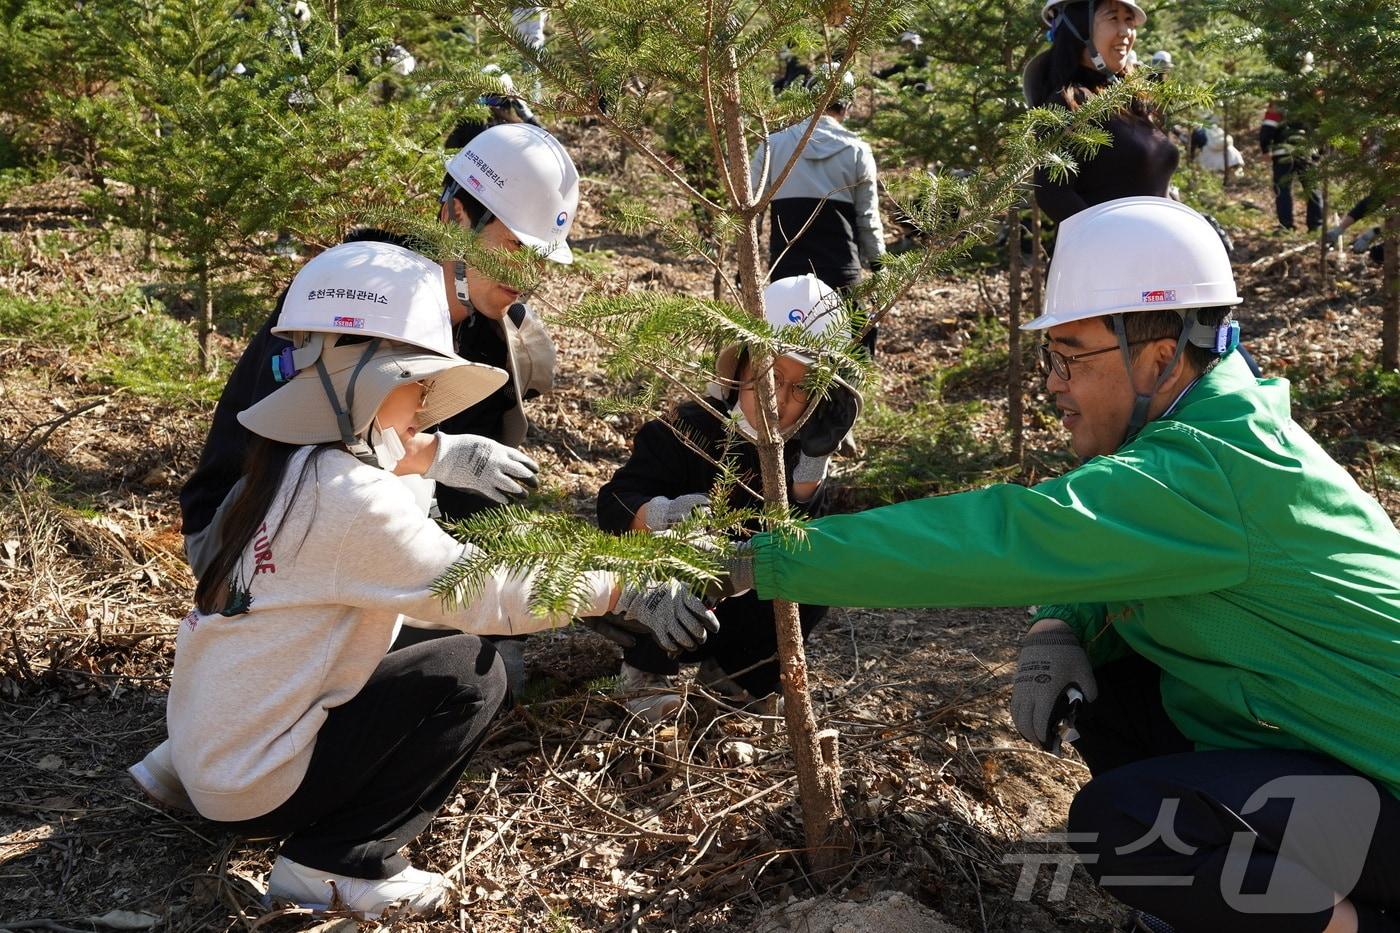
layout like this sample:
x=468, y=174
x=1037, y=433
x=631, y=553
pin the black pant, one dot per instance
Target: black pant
x=1147, y=779
x=746, y=645
x=385, y=762
x=1286, y=169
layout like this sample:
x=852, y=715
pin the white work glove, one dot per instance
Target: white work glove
x=483, y=466
x=675, y=617
x=1051, y=662
x=810, y=469
x=662, y=513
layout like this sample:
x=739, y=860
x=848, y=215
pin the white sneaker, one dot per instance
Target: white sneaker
x=156, y=777
x=413, y=891
x=659, y=704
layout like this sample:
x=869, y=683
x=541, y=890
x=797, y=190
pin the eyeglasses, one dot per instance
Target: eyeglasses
x=792, y=390
x=1053, y=361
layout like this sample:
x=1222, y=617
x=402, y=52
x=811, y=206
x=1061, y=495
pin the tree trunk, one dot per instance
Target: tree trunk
x=1322, y=267
x=1037, y=276
x=1390, y=311
x=1225, y=125
x=830, y=840
x=205, y=298
x=1014, y=417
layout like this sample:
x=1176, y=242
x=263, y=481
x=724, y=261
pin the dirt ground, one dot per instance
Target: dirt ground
x=574, y=816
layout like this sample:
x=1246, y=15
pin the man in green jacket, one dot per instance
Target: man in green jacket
x=1221, y=594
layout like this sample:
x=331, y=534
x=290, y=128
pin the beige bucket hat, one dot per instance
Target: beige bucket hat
x=361, y=376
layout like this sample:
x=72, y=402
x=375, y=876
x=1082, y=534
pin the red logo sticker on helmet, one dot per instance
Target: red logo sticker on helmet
x=342, y=321
x=562, y=219
x=1159, y=296
x=475, y=183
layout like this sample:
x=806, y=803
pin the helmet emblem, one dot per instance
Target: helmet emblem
x=797, y=315
x=474, y=182
x=562, y=219
x=1159, y=296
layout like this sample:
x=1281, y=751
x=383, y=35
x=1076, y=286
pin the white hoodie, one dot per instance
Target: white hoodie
x=326, y=583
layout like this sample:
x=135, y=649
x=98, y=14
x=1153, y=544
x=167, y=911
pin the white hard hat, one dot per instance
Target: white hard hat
x=803, y=300
x=370, y=289
x=507, y=82
x=1135, y=254
x=817, y=81
x=911, y=37
x=1051, y=9
x=1163, y=58
x=525, y=178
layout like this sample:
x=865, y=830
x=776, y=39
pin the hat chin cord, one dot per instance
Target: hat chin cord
x=358, y=446
x=1094, y=55
x=459, y=267
x=1221, y=339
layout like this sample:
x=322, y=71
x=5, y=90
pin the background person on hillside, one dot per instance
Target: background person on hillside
x=824, y=220
x=666, y=479
x=1287, y=139
x=1223, y=594
x=293, y=711
x=1090, y=49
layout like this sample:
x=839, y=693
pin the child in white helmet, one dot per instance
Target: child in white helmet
x=293, y=709
x=532, y=208
x=666, y=478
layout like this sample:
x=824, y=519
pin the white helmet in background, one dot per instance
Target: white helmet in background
x=1051, y=10
x=526, y=180
x=801, y=301
x=1163, y=60
x=910, y=37
x=821, y=77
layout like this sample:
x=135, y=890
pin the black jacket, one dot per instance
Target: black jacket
x=1140, y=162
x=662, y=465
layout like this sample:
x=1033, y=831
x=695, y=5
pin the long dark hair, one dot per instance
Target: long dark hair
x=264, y=468
x=1064, y=77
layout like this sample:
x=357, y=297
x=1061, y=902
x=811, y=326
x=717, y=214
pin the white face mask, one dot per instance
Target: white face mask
x=388, y=449
x=741, y=423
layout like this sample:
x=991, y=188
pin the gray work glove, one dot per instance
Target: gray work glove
x=673, y=616
x=662, y=513
x=737, y=578
x=1051, y=662
x=810, y=469
x=483, y=466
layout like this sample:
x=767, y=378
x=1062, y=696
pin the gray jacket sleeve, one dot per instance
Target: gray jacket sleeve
x=870, y=231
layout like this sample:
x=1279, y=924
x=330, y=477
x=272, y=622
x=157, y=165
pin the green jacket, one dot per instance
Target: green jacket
x=1222, y=544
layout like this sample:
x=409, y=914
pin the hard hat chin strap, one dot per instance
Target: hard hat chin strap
x=459, y=268
x=1099, y=64
x=1142, y=402
x=353, y=443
